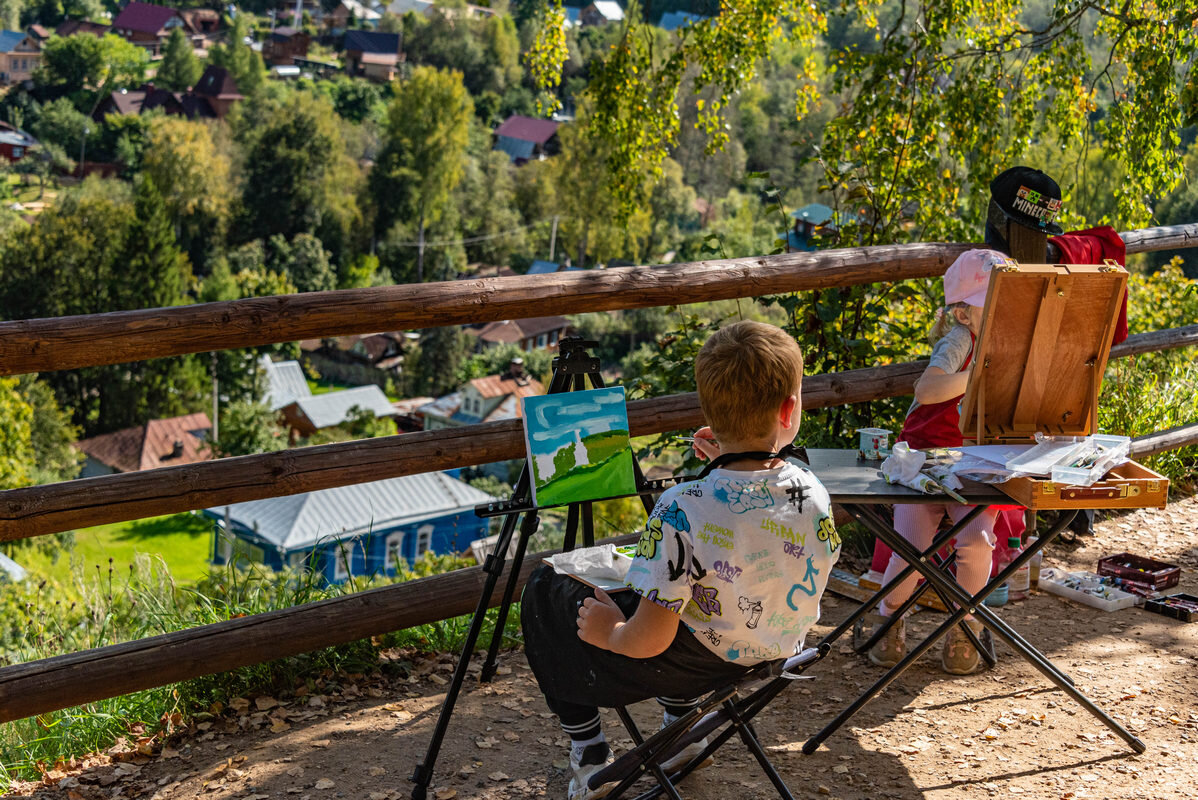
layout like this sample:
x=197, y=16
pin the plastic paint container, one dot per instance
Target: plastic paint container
x=874, y=443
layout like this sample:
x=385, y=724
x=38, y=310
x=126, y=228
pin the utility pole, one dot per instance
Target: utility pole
x=553, y=238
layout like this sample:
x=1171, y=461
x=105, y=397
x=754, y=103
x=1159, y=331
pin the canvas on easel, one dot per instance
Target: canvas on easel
x=578, y=446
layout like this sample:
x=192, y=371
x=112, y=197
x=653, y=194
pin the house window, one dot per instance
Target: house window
x=17, y=152
x=553, y=337
x=244, y=553
x=299, y=560
x=224, y=547
x=392, y=554
x=424, y=539
x=542, y=340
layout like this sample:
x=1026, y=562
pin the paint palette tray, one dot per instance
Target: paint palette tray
x=1086, y=588
x=1178, y=606
x=1147, y=572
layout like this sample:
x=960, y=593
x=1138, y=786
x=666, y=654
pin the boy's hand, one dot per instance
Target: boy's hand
x=706, y=447
x=598, y=618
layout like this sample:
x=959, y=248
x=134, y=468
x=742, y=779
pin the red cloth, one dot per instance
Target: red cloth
x=936, y=424
x=1093, y=246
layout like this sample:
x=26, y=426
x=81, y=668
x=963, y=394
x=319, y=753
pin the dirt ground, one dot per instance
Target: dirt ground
x=992, y=734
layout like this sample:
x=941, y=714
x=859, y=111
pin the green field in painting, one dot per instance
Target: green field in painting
x=608, y=478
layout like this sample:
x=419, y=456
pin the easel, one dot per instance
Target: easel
x=571, y=370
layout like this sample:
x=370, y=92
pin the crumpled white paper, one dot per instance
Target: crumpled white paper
x=904, y=466
x=595, y=564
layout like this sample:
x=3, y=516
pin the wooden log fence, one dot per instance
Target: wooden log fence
x=41, y=345
x=66, y=343
x=37, y=687
x=39, y=510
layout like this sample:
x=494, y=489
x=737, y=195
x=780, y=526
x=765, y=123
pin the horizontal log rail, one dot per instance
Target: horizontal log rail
x=42, y=345
x=39, y=510
x=49, y=684
x=37, y=687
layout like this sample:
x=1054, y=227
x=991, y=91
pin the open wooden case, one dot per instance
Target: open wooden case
x=1038, y=366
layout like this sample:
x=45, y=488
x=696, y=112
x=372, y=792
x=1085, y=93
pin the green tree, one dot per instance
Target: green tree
x=86, y=67
x=241, y=60
x=64, y=126
x=303, y=260
x=193, y=176
x=298, y=177
x=51, y=434
x=422, y=161
x=81, y=257
x=247, y=428
x=486, y=201
x=180, y=69
x=10, y=14
x=16, y=444
x=434, y=366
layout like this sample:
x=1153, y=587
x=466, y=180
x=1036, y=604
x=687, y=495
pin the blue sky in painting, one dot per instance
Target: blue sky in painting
x=552, y=419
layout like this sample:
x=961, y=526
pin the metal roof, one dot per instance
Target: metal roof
x=327, y=410
x=153, y=444
x=527, y=129
x=814, y=213
x=285, y=382
x=673, y=20
x=542, y=267
x=9, y=40
x=144, y=17
x=302, y=520
x=611, y=10
x=11, y=569
x=371, y=42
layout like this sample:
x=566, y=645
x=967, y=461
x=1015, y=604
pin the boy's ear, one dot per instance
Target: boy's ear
x=786, y=412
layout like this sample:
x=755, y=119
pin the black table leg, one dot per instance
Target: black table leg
x=944, y=585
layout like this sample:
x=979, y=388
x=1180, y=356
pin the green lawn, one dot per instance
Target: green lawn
x=183, y=540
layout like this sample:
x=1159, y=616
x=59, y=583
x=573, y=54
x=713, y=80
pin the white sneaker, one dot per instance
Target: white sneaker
x=686, y=755
x=594, y=758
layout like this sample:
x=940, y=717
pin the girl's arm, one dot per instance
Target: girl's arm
x=648, y=633
x=935, y=385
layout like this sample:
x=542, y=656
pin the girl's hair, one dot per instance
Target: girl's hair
x=944, y=322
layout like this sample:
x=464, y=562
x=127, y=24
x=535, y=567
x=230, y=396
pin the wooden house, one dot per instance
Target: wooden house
x=527, y=138
x=361, y=529
x=372, y=55
x=15, y=143
x=20, y=54
x=147, y=25
x=159, y=443
x=284, y=45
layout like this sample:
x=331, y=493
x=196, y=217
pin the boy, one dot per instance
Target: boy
x=728, y=572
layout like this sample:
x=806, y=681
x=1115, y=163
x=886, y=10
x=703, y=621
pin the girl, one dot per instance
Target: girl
x=933, y=421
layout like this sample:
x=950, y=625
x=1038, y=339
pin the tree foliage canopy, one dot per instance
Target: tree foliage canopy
x=930, y=98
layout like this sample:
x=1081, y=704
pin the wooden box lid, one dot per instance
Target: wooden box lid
x=1041, y=352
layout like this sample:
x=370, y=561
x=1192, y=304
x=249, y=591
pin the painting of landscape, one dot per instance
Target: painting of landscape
x=578, y=446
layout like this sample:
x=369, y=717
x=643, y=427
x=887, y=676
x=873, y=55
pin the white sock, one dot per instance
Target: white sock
x=577, y=746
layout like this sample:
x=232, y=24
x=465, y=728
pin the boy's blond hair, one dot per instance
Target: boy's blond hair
x=744, y=373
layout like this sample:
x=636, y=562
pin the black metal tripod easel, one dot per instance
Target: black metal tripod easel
x=571, y=370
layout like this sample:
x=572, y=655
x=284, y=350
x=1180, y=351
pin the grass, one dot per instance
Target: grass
x=184, y=542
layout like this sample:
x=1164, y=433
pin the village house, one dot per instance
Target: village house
x=211, y=98
x=350, y=12
x=15, y=143
x=527, y=138
x=287, y=392
x=147, y=25
x=372, y=55
x=70, y=27
x=601, y=12
x=159, y=443
x=488, y=399
x=20, y=53
x=351, y=530
x=806, y=220
x=539, y=333
x=284, y=45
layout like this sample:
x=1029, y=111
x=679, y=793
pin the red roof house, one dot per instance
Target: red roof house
x=147, y=25
x=527, y=138
x=158, y=443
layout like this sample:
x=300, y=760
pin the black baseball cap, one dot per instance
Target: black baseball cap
x=1028, y=197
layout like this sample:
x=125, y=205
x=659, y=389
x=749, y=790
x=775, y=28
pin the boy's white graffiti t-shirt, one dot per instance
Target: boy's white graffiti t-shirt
x=742, y=557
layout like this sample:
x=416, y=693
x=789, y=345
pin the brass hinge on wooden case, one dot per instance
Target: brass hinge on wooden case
x=1008, y=265
x=1109, y=265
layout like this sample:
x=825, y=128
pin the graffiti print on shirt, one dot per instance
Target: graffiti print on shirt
x=707, y=599
x=806, y=586
x=673, y=605
x=825, y=531
x=647, y=545
x=751, y=607
x=742, y=496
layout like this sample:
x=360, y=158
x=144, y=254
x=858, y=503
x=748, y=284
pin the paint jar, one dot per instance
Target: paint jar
x=874, y=443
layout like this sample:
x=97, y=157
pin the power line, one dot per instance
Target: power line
x=472, y=239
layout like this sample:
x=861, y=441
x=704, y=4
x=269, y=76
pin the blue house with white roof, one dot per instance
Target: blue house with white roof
x=352, y=530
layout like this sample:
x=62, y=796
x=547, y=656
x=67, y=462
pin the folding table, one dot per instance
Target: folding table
x=858, y=486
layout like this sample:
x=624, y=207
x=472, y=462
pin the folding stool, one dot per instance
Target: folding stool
x=717, y=717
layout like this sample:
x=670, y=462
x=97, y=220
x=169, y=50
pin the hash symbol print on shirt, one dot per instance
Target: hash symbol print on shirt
x=798, y=494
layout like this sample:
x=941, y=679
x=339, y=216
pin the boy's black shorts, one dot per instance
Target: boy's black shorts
x=569, y=669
